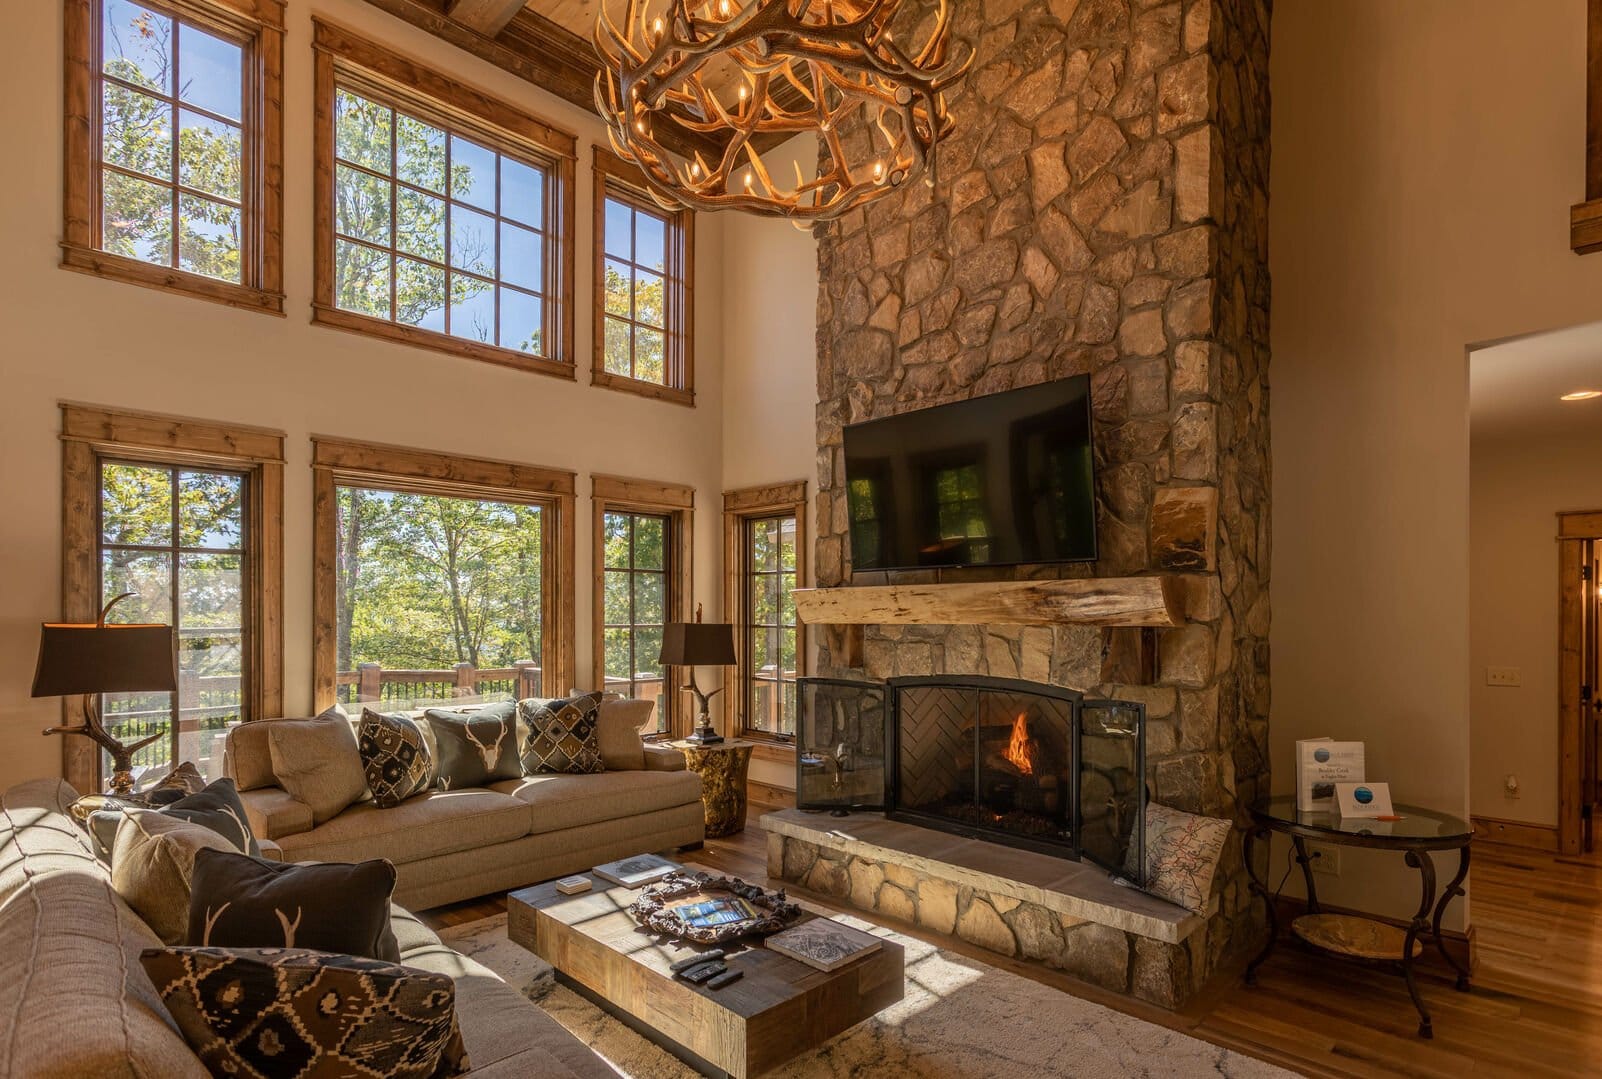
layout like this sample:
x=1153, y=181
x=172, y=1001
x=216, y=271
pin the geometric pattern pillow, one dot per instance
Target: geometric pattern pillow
x=563, y=735
x=474, y=749
x=1182, y=852
x=270, y=1012
x=395, y=757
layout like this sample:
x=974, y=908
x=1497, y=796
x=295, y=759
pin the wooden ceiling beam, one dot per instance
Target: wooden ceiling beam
x=488, y=17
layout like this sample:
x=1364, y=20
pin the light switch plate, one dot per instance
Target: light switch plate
x=1503, y=676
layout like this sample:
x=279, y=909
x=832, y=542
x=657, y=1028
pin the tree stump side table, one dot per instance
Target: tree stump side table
x=723, y=767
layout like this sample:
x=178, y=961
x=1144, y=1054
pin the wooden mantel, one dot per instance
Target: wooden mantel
x=1095, y=601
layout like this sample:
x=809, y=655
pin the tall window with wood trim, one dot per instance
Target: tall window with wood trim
x=439, y=580
x=438, y=226
x=765, y=561
x=642, y=557
x=644, y=262
x=186, y=516
x=174, y=152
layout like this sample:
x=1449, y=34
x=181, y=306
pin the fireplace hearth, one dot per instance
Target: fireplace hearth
x=1021, y=763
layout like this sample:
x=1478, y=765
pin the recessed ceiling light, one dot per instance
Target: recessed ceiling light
x=1581, y=395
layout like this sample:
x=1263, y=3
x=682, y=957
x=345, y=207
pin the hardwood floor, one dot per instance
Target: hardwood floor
x=1535, y=1010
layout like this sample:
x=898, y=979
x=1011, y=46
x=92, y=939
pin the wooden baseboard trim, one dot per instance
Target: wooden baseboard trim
x=1461, y=945
x=1515, y=833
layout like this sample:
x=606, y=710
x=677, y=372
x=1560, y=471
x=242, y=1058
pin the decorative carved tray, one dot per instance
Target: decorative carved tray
x=656, y=908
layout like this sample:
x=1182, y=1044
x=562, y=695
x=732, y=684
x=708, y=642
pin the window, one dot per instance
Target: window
x=440, y=230
x=176, y=146
x=765, y=560
x=961, y=520
x=439, y=579
x=177, y=512
x=643, y=264
x=642, y=583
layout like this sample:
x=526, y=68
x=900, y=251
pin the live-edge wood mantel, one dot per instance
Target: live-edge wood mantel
x=1152, y=601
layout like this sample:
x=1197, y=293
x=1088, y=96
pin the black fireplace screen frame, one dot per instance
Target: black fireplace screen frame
x=1121, y=791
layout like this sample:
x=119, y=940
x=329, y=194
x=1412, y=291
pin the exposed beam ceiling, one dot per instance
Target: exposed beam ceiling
x=488, y=17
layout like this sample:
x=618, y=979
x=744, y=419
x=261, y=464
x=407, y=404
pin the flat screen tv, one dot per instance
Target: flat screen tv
x=998, y=480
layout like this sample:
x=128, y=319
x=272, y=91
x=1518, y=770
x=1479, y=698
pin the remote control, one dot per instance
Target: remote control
x=697, y=975
x=733, y=974
x=696, y=960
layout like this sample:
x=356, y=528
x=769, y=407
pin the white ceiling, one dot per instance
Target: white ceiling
x=1514, y=387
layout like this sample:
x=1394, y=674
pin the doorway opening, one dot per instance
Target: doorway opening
x=1579, y=661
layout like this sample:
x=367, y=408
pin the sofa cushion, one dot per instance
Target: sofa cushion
x=621, y=722
x=660, y=758
x=276, y=1011
x=316, y=760
x=566, y=801
x=431, y=824
x=236, y=901
x=152, y=864
x=396, y=758
x=245, y=754
x=562, y=735
x=274, y=812
x=65, y=945
x=474, y=749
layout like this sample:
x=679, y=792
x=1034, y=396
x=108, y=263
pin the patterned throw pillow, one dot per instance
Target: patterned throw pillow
x=1182, y=851
x=152, y=862
x=474, y=749
x=563, y=735
x=241, y=902
x=217, y=807
x=395, y=757
x=278, y=1012
x=185, y=779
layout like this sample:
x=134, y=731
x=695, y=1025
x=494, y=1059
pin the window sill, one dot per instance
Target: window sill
x=367, y=326
x=672, y=394
x=104, y=264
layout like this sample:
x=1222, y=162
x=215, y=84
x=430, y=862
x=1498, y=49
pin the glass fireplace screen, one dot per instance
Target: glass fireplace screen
x=1030, y=765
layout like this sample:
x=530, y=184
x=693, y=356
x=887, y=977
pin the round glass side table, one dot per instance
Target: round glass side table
x=1354, y=936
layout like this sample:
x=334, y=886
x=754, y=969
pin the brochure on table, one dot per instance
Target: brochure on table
x=1360, y=800
x=1320, y=764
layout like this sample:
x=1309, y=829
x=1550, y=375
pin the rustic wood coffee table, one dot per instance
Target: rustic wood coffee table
x=779, y=1009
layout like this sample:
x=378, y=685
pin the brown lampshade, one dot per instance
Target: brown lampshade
x=86, y=658
x=697, y=644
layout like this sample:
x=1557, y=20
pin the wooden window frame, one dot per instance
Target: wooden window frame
x=739, y=507
x=92, y=433
x=344, y=58
x=619, y=180
x=621, y=494
x=1585, y=218
x=338, y=462
x=258, y=25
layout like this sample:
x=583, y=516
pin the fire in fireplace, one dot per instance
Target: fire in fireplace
x=1022, y=763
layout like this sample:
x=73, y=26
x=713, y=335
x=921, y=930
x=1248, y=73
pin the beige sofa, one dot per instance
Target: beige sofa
x=453, y=845
x=75, y=1002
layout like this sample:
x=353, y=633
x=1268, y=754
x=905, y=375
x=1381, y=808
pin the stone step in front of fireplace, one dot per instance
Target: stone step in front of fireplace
x=1018, y=903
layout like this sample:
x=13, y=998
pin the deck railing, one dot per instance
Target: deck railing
x=373, y=682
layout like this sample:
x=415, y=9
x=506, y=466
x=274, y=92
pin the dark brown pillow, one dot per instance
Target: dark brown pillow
x=236, y=901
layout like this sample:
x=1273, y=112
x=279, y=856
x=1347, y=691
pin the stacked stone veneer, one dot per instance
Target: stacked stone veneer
x=1102, y=210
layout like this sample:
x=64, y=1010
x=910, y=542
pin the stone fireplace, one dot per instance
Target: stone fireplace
x=1102, y=210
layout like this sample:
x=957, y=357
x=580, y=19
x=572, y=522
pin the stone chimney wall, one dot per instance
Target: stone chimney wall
x=1101, y=210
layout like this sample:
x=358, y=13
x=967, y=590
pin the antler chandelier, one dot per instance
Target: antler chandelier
x=728, y=73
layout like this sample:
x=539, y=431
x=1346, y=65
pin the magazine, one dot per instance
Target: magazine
x=823, y=943
x=715, y=913
x=638, y=871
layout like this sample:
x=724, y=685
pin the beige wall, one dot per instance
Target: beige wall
x=1516, y=485
x=770, y=295
x=1425, y=155
x=68, y=336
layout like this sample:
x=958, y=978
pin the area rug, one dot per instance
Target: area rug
x=960, y=1019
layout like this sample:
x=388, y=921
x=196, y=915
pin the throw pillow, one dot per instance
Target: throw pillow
x=246, y=756
x=317, y=762
x=152, y=862
x=395, y=757
x=1182, y=851
x=217, y=807
x=277, y=1012
x=474, y=749
x=236, y=901
x=182, y=781
x=618, y=732
x=562, y=735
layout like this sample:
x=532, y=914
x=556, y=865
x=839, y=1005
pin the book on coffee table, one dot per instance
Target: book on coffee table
x=822, y=943
x=638, y=871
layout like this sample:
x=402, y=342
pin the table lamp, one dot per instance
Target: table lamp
x=699, y=644
x=97, y=658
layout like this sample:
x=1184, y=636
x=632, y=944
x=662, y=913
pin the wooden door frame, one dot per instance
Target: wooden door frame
x=1574, y=531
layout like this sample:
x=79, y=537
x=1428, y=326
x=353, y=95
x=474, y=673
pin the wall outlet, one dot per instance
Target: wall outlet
x=1503, y=676
x=1326, y=858
x=1510, y=786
